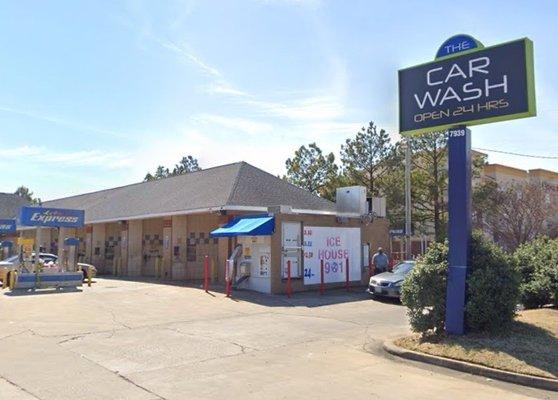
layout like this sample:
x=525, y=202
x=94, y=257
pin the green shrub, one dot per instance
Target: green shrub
x=492, y=289
x=424, y=290
x=538, y=263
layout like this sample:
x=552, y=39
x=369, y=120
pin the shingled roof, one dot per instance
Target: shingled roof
x=10, y=204
x=224, y=187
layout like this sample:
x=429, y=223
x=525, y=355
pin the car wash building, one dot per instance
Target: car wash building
x=9, y=206
x=165, y=228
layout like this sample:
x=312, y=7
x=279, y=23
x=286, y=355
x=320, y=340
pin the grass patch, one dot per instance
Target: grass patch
x=531, y=346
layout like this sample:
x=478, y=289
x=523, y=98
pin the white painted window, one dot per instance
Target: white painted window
x=291, y=248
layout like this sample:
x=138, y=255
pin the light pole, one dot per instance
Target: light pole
x=408, y=198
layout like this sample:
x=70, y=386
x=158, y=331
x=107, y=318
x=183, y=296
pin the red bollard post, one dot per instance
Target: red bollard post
x=347, y=274
x=206, y=274
x=289, y=288
x=322, y=287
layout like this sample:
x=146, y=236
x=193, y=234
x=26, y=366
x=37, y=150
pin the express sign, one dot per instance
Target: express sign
x=472, y=87
x=54, y=217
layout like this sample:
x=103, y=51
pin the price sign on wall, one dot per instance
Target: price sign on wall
x=334, y=246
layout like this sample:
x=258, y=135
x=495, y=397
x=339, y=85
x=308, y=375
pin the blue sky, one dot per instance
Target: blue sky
x=96, y=93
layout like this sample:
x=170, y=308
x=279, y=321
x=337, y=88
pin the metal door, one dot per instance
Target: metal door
x=291, y=250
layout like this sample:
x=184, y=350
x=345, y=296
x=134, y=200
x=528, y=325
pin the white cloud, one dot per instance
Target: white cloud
x=304, y=3
x=85, y=128
x=224, y=88
x=50, y=156
x=236, y=124
x=317, y=108
x=189, y=56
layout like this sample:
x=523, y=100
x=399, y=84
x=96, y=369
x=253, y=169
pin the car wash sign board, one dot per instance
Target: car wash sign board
x=470, y=87
x=53, y=217
x=7, y=225
x=334, y=246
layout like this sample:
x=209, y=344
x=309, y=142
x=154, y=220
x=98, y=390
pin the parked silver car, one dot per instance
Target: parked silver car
x=388, y=284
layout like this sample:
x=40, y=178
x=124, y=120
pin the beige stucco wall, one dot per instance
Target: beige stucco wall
x=178, y=257
x=111, y=246
x=88, y=244
x=98, y=248
x=167, y=249
x=135, y=257
x=198, y=228
x=123, y=249
x=141, y=241
x=152, y=246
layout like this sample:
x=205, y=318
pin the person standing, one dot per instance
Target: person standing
x=380, y=261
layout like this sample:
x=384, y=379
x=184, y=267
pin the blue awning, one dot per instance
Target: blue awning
x=256, y=225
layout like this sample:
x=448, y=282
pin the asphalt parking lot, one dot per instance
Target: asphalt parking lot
x=142, y=340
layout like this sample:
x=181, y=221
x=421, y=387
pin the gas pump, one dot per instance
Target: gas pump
x=6, y=247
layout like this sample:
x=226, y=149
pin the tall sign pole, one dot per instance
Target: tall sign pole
x=459, y=225
x=466, y=84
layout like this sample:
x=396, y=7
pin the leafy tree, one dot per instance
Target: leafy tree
x=310, y=169
x=186, y=165
x=392, y=185
x=329, y=190
x=430, y=182
x=25, y=193
x=160, y=173
x=364, y=158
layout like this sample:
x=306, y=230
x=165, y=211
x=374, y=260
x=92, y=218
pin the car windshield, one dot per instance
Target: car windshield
x=403, y=268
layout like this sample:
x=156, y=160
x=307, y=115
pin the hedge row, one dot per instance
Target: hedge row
x=537, y=262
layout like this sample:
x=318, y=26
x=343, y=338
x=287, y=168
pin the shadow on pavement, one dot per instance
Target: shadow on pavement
x=298, y=299
x=39, y=292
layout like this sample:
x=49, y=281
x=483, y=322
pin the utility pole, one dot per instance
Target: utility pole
x=408, y=198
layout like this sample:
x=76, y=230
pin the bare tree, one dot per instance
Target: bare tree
x=520, y=212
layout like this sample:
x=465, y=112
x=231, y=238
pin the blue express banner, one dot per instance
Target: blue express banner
x=7, y=225
x=473, y=87
x=53, y=217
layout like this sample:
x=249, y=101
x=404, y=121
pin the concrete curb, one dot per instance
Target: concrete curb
x=475, y=369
